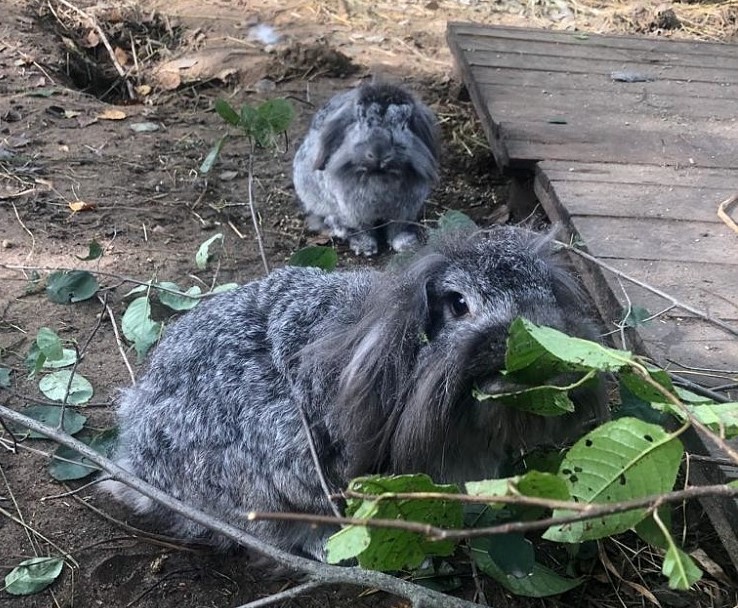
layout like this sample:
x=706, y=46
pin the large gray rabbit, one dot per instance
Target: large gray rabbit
x=367, y=165
x=382, y=363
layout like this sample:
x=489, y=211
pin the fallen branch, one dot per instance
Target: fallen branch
x=318, y=572
x=581, y=512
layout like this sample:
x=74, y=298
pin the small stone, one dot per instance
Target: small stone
x=265, y=85
x=7, y=244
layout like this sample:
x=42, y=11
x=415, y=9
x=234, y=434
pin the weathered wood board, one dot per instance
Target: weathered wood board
x=632, y=144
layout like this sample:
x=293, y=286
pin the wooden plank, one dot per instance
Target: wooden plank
x=586, y=49
x=710, y=290
x=595, y=65
x=570, y=104
x=646, y=175
x=606, y=142
x=659, y=239
x=645, y=43
x=691, y=203
x=548, y=81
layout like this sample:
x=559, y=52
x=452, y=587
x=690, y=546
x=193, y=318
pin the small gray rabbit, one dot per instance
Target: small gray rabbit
x=382, y=363
x=367, y=165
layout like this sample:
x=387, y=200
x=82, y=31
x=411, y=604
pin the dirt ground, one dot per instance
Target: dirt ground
x=74, y=167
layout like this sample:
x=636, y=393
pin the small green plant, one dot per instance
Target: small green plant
x=261, y=125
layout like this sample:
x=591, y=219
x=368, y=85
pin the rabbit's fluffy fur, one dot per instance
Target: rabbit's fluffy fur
x=367, y=165
x=383, y=364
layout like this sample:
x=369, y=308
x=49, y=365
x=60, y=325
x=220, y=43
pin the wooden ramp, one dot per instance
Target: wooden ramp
x=632, y=144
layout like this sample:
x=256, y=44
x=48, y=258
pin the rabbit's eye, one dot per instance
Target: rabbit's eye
x=457, y=304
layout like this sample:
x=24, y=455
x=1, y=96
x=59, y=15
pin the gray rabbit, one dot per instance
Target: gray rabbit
x=367, y=165
x=383, y=364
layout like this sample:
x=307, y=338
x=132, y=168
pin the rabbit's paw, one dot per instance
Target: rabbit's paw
x=403, y=241
x=335, y=227
x=363, y=243
x=315, y=223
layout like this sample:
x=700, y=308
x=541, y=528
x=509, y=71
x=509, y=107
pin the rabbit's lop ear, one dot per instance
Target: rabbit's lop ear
x=332, y=136
x=378, y=355
x=423, y=124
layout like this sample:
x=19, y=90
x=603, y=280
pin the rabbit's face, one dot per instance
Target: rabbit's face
x=477, y=295
x=383, y=133
x=434, y=331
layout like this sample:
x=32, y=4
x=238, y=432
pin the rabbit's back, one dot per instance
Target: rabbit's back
x=214, y=419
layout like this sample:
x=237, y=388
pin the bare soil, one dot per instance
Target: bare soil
x=73, y=169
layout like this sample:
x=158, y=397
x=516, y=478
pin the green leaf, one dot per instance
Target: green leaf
x=390, y=549
x=95, y=251
x=642, y=389
x=79, y=467
x=649, y=531
x=249, y=117
x=33, y=575
x=347, y=544
x=721, y=418
x=54, y=386
x=49, y=344
x=35, y=360
x=203, y=253
x=635, y=407
x=69, y=356
x=212, y=156
x=535, y=354
x=4, y=377
x=318, y=257
x=227, y=113
x=277, y=113
x=541, y=582
x=533, y=483
x=453, y=220
x=139, y=328
x=620, y=460
x=689, y=396
x=512, y=553
x=224, y=287
x=50, y=415
x=182, y=301
x=65, y=287
x=546, y=400
x=680, y=569
x=637, y=316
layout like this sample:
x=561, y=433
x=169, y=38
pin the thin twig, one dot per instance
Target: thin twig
x=718, y=441
x=254, y=216
x=33, y=238
x=322, y=573
x=51, y=543
x=283, y=595
x=118, y=340
x=60, y=426
x=686, y=307
x=316, y=460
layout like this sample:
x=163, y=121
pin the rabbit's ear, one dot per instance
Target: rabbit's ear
x=331, y=137
x=373, y=362
x=423, y=124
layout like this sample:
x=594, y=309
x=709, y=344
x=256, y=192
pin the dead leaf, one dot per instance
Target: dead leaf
x=77, y=206
x=112, y=114
x=168, y=79
x=121, y=56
